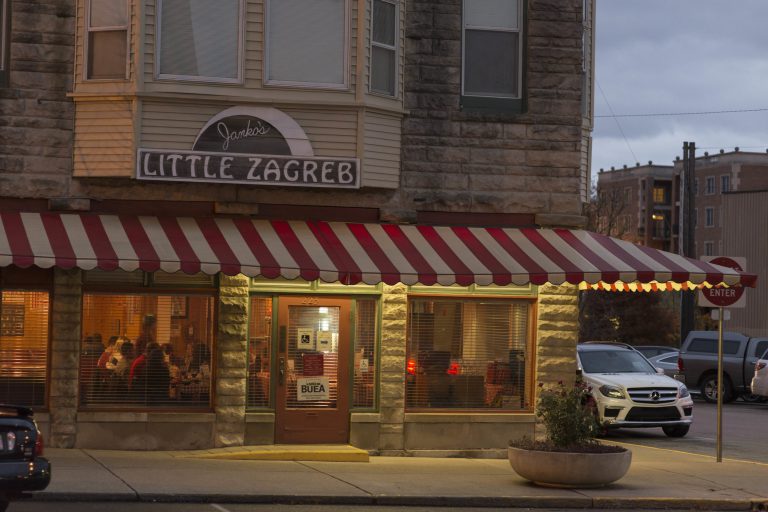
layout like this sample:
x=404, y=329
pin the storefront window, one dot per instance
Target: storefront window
x=468, y=354
x=259, y=354
x=365, y=354
x=24, y=320
x=146, y=350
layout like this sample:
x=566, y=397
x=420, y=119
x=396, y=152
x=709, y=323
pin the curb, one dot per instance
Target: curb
x=534, y=502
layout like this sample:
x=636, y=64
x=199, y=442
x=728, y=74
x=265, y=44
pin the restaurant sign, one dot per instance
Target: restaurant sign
x=249, y=146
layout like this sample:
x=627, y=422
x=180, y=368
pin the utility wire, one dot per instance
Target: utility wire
x=704, y=113
x=615, y=118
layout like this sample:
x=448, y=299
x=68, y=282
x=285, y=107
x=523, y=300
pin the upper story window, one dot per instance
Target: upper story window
x=200, y=40
x=725, y=183
x=660, y=195
x=384, y=23
x=306, y=43
x=107, y=26
x=709, y=220
x=492, y=54
x=710, y=185
x=5, y=40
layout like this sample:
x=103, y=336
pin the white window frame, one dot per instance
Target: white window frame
x=521, y=44
x=395, y=49
x=88, y=30
x=709, y=217
x=206, y=79
x=308, y=85
x=725, y=183
x=710, y=190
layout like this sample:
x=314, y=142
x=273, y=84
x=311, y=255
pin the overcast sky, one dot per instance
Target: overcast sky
x=670, y=56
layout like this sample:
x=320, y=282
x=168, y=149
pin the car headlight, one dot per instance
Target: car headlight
x=611, y=391
x=683, y=392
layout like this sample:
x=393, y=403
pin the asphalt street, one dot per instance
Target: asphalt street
x=214, y=507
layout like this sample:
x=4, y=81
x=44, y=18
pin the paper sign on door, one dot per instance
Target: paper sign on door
x=312, y=388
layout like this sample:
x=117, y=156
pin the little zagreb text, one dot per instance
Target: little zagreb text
x=247, y=169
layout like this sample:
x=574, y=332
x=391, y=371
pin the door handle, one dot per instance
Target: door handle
x=281, y=372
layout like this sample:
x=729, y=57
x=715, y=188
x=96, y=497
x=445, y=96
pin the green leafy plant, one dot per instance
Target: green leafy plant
x=568, y=415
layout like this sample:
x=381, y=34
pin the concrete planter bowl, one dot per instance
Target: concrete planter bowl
x=569, y=469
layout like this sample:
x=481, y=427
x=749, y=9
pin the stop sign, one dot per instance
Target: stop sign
x=723, y=297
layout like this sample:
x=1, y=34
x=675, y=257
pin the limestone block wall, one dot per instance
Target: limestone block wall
x=37, y=117
x=232, y=366
x=65, y=349
x=460, y=160
x=392, y=373
x=557, y=336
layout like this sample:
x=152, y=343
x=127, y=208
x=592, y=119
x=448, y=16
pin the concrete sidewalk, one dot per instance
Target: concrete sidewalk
x=657, y=479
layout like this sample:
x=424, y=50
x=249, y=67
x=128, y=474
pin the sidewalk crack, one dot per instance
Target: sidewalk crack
x=335, y=478
x=97, y=461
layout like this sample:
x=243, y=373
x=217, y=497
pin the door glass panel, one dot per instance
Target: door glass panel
x=312, y=357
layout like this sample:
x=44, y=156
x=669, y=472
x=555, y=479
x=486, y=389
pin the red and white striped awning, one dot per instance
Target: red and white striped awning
x=348, y=252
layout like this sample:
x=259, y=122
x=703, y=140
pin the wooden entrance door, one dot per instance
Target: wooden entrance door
x=312, y=395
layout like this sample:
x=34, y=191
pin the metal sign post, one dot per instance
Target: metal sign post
x=719, y=448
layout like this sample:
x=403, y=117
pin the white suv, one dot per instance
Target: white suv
x=629, y=392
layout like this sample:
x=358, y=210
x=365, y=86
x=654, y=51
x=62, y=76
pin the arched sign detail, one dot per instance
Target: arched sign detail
x=294, y=135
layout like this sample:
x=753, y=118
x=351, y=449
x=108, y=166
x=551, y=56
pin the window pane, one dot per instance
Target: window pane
x=23, y=347
x=491, y=13
x=144, y=351
x=306, y=41
x=199, y=38
x=107, y=55
x=468, y=355
x=365, y=354
x=259, y=345
x=383, y=70
x=108, y=13
x=384, y=22
x=491, y=63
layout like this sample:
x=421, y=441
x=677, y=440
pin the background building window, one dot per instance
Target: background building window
x=696, y=186
x=146, y=350
x=384, y=37
x=492, y=48
x=468, y=354
x=709, y=248
x=5, y=40
x=307, y=42
x=709, y=221
x=725, y=183
x=107, y=39
x=24, y=320
x=199, y=39
x=710, y=186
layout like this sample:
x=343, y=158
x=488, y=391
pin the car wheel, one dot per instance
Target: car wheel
x=676, y=430
x=748, y=397
x=709, y=389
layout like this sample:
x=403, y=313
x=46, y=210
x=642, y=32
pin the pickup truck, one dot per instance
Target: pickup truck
x=22, y=468
x=697, y=363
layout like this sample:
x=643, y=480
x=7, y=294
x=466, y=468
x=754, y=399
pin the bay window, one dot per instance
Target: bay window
x=384, y=24
x=107, y=27
x=200, y=40
x=468, y=354
x=306, y=43
x=492, y=36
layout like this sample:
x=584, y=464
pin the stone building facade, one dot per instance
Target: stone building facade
x=78, y=133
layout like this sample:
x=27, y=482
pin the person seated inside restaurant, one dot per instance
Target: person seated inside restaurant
x=136, y=373
x=156, y=376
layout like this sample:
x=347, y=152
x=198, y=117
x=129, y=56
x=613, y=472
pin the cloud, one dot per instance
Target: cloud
x=667, y=56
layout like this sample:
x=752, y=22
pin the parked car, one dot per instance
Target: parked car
x=759, y=384
x=667, y=362
x=697, y=363
x=22, y=467
x=630, y=392
x=650, y=351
